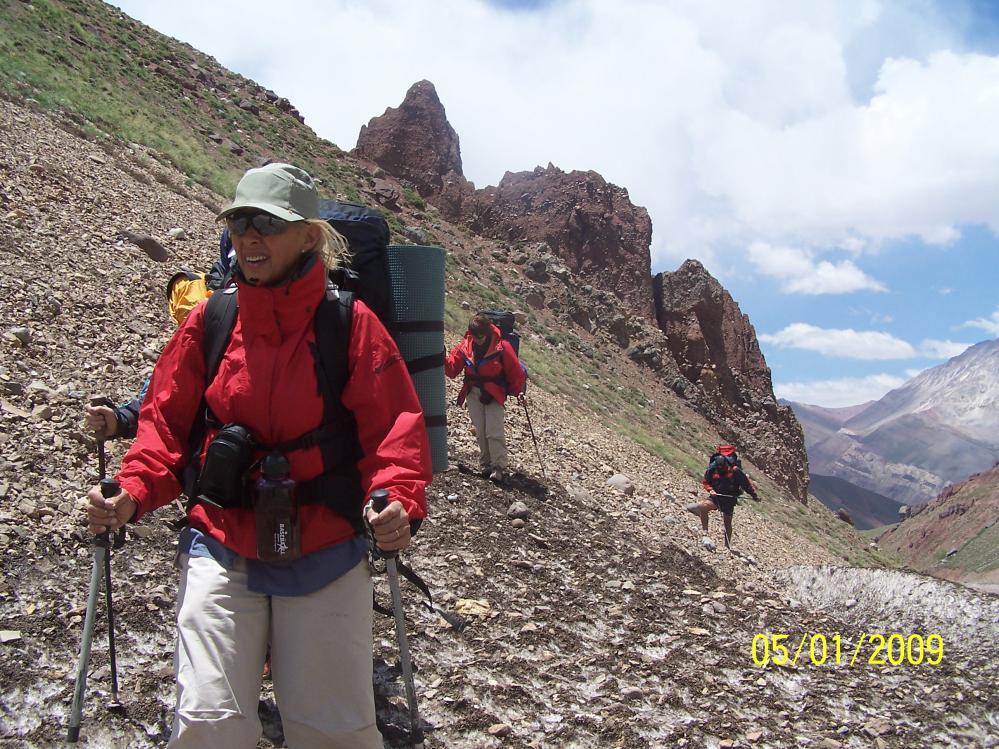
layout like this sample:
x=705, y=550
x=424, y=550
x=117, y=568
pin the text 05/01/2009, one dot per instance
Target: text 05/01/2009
x=818, y=649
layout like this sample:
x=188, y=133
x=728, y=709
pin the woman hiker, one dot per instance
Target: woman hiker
x=492, y=371
x=314, y=603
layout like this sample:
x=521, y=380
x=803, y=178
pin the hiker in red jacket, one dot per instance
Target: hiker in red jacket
x=724, y=481
x=313, y=606
x=492, y=371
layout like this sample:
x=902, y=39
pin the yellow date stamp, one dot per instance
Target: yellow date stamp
x=820, y=650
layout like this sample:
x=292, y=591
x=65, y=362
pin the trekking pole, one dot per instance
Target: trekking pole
x=537, y=448
x=119, y=541
x=102, y=545
x=379, y=501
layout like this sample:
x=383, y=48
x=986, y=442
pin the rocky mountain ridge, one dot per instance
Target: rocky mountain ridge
x=709, y=354
x=718, y=354
x=938, y=428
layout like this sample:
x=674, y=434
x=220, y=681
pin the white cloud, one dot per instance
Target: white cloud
x=886, y=168
x=848, y=391
x=831, y=123
x=799, y=273
x=942, y=349
x=859, y=344
x=990, y=325
x=845, y=343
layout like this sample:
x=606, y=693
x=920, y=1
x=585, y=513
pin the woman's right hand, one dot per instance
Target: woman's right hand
x=102, y=421
x=109, y=513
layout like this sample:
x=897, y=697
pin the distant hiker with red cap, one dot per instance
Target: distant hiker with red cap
x=724, y=481
x=492, y=371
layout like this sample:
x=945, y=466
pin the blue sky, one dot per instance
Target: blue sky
x=835, y=164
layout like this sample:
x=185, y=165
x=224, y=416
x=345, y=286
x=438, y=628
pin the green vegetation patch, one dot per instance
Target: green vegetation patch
x=117, y=78
x=979, y=555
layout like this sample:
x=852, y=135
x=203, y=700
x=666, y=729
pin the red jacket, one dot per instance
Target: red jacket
x=266, y=382
x=500, y=360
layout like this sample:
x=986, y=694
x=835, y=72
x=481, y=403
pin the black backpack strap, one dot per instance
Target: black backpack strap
x=333, y=321
x=221, y=310
x=331, y=352
x=220, y=319
x=423, y=363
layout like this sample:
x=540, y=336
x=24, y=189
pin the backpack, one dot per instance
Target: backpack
x=724, y=462
x=367, y=272
x=185, y=290
x=505, y=321
x=404, y=287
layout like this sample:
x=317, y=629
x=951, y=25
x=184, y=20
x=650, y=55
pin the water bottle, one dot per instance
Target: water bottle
x=278, y=537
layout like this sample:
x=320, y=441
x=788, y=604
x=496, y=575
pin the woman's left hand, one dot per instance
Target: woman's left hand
x=390, y=527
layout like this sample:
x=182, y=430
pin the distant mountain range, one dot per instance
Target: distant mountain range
x=937, y=429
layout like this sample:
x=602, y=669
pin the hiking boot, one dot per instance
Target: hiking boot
x=496, y=475
x=485, y=471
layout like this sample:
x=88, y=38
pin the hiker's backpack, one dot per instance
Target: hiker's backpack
x=724, y=465
x=404, y=286
x=505, y=321
x=185, y=291
x=187, y=288
x=367, y=272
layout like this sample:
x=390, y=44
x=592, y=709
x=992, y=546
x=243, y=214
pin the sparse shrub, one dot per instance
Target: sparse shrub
x=413, y=199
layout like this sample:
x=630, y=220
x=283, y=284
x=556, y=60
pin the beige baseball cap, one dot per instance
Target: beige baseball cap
x=281, y=190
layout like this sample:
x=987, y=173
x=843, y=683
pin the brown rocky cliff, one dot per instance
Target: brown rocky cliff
x=589, y=224
x=716, y=349
x=414, y=142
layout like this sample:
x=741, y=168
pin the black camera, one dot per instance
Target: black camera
x=228, y=458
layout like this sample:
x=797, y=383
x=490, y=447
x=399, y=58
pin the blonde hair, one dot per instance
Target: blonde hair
x=332, y=248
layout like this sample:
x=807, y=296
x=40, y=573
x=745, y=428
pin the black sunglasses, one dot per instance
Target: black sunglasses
x=265, y=224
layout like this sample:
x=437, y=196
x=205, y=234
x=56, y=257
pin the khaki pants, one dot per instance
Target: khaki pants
x=320, y=660
x=488, y=422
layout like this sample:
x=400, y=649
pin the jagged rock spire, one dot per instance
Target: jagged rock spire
x=413, y=142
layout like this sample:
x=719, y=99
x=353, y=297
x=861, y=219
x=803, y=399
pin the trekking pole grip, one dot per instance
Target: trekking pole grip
x=379, y=500
x=109, y=488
